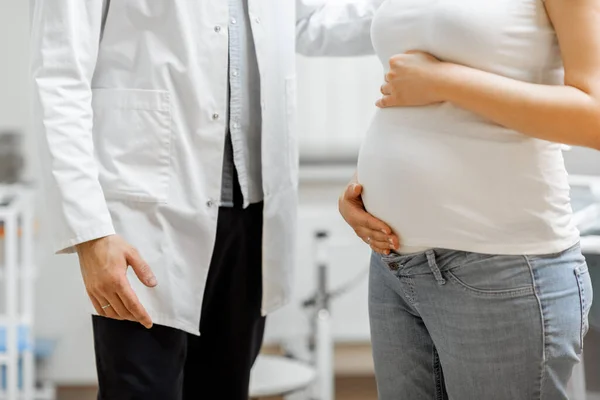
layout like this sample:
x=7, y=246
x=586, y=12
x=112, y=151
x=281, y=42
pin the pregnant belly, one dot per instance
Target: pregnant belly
x=438, y=185
x=402, y=177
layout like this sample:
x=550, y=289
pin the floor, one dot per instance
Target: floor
x=346, y=389
x=360, y=388
x=355, y=361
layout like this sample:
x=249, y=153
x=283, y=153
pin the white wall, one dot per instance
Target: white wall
x=336, y=100
x=13, y=63
x=583, y=161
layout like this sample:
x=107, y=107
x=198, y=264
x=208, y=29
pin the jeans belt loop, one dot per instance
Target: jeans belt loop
x=434, y=267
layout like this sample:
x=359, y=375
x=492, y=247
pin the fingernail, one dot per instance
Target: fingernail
x=384, y=231
x=152, y=281
x=392, y=246
x=391, y=240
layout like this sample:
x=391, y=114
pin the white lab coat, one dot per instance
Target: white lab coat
x=131, y=105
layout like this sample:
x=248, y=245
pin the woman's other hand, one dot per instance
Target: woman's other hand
x=411, y=81
x=370, y=229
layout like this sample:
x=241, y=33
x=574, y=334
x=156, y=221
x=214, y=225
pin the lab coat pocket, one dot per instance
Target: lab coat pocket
x=132, y=139
x=291, y=121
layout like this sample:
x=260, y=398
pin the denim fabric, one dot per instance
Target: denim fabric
x=457, y=325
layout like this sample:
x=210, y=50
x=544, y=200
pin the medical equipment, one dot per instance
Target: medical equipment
x=273, y=375
x=12, y=160
x=17, y=273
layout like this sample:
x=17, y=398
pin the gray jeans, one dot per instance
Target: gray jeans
x=457, y=325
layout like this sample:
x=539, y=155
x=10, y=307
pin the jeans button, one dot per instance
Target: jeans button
x=394, y=266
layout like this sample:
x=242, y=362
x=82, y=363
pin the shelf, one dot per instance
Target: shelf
x=14, y=200
x=22, y=272
x=22, y=320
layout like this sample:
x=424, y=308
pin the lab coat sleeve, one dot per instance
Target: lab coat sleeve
x=335, y=28
x=65, y=40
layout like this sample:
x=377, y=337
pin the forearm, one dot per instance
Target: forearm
x=562, y=114
x=63, y=58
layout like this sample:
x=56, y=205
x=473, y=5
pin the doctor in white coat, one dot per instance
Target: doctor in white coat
x=168, y=132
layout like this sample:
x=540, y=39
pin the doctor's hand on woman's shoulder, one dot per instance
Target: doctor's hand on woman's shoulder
x=371, y=230
x=104, y=264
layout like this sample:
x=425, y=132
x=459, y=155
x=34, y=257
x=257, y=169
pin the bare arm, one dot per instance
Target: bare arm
x=65, y=43
x=566, y=114
x=64, y=47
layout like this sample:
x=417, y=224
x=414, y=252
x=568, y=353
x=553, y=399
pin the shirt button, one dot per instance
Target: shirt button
x=215, y=116
x=235, y=72
x=217, y=29
x=233, y=21
x=235, y=125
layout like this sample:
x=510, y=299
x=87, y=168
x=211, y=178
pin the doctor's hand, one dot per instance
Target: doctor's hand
x=104, y=264
x=371, y=230
x=411, y=81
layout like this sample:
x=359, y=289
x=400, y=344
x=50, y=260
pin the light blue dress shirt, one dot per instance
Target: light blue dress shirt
x=243, y=144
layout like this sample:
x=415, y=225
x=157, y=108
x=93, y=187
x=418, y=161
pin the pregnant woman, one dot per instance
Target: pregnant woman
x=487, y=295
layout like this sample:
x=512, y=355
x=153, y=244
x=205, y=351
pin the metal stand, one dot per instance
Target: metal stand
x=321, y=341
x=324, y=338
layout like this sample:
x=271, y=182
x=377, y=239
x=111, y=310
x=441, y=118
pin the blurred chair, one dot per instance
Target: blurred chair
x=279, y=376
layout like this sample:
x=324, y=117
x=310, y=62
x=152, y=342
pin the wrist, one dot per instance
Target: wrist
x=443, y=81
x=84, y=246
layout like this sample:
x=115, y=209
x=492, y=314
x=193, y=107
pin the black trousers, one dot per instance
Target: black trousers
x=163, y=363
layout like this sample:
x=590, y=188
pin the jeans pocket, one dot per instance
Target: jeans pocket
x=493, y=276
x=586, y=296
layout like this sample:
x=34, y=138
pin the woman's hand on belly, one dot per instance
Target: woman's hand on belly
x=411, y=81
x=371, y=230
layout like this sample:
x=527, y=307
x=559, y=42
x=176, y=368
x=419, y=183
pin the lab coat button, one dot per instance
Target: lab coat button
x=233, y=21
x=210, y=203
x=257, y=20
x=215, y=116
x=217, y=29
